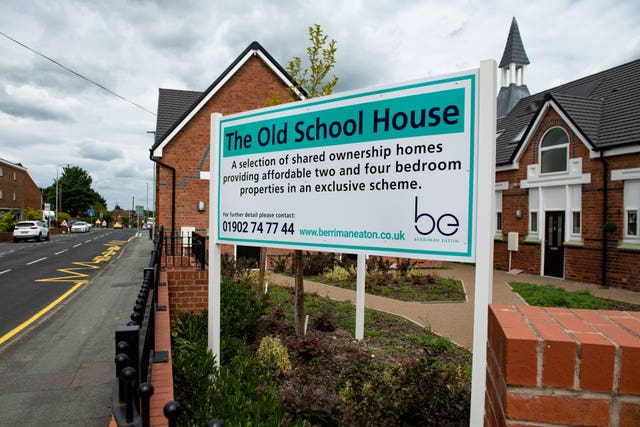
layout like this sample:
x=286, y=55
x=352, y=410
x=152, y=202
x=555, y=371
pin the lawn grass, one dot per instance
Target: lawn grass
x=551, y=296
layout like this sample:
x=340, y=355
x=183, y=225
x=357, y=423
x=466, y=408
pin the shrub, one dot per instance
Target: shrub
x=7, y=222
x=280, y=264
x=272, y=354
x=234, y=270
x=379, y=264
x=423, y=392
x=193, y=364
x=316, y=263
x=326, y=322
x=307, y=348
x=339, y=274
x=404, y=265
x=241, y=310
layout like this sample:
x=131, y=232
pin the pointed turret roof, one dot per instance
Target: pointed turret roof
x=514, y=49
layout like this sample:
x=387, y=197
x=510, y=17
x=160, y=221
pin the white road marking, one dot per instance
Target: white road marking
x=6, y=271
x=61, y=252
x=38, y=260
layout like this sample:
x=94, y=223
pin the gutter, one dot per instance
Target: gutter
x=605, y=199
x=173, y=195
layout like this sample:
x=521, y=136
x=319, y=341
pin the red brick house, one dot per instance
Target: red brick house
x=181, y=149
x=17, y=190
x=568, y=174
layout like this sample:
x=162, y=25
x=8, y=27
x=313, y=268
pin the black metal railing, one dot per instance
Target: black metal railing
x=184, y=249
x=136, y=354
x=199, y=249
x=135, y=351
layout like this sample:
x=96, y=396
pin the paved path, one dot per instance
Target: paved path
x=454, y=320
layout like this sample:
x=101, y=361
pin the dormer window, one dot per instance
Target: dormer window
x=554, y=151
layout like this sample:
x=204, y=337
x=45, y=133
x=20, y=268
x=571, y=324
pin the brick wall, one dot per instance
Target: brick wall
x=554, y=366
x=188, y=290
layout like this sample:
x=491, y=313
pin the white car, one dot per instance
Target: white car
x=26, y=230
x=80, y=227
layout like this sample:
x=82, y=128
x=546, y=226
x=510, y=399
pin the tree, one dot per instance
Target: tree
x=315, y=82
x=75, y=195
x=321, y=59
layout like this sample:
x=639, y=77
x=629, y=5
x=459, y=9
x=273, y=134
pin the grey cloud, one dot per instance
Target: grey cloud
x=99, y=151
x=29, y=110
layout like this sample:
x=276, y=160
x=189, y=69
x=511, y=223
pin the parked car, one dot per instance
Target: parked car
x=80, y=227
x=26, y=230
x=117, y=225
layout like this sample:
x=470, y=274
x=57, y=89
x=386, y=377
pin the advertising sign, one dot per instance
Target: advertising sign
x=386, y=171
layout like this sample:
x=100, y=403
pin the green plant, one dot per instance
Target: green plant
x=281, y=263
x=610, y=226
x=272, y=354
x=326, y=322
x=193, y=364
x=316, y=263
x=404, y=265
x=339, y=274
x=32, y=214
x=241, y=310
x=378, y=264
x=235, y=270
x=7, y=222
x=306, y=348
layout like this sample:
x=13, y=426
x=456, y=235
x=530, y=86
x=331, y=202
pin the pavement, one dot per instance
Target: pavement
x=455, y=320
x=61, y=373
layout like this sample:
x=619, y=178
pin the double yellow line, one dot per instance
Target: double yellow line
x=73, y=275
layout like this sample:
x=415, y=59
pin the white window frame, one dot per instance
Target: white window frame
x=533, y=232
x=631, y=207
x=630, y=202
x=573, y=223
x=499, y=216
x=533, y=228
x=564, y=146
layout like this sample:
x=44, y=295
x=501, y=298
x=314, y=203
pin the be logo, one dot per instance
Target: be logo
x=447, y=224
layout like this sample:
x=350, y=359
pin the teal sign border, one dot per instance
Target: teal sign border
x=472, y=78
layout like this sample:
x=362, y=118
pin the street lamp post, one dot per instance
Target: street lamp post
x=58, y=192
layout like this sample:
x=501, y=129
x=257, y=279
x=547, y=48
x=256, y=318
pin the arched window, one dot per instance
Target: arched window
x=554, y=151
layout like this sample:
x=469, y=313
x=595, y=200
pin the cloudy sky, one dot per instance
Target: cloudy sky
x=49, y=117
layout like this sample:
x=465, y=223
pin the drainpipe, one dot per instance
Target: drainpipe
x=605, y=173
x=173, y=196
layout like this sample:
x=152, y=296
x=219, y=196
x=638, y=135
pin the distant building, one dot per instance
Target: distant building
x=17, y=190
x=568, y=174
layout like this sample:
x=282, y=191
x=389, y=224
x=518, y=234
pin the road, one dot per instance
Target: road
x=61, y=373
x=34, y=276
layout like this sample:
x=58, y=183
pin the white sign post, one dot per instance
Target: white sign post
x=388, y=171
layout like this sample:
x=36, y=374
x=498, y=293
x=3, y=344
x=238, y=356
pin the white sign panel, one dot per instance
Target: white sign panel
x=389, y=171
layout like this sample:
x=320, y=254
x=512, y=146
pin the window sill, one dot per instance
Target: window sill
x=628, y=246
x=532, y=240
x=574, y=243
x=498, y=237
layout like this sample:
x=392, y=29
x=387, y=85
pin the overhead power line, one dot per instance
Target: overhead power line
x=76, y=73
